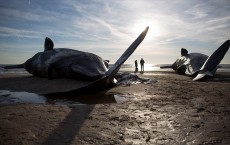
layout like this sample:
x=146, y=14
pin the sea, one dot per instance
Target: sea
x=156, y=68
x=124, y=68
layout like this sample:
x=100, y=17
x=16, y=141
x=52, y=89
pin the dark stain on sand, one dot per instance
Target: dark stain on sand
x=13, y=98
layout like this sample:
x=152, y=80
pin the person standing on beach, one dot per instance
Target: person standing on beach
x=136, y=66
x=142, y=64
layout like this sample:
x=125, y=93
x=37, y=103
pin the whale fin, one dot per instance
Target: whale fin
x=184, y=52
x=115, y=68
x=212, y=62
x=108, y=78
x=201, y=75
x=48, y=45
x=14, y=66
x=166, y=66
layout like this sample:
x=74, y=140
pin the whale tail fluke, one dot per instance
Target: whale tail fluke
x=213, y=61
x=115, y=68
x=108, y=78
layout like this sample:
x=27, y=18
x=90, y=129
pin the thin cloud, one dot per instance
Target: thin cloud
x=196, y=12
x=11, y=32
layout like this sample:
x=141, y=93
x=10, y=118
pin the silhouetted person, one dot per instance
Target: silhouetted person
x=136, y=66
x=142, y=64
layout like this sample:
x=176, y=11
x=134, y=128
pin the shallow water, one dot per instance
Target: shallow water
x=12, y=98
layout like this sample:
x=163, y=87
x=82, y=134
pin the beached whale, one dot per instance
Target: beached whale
x=197, y=64
x=74, y=64
x=64, y=62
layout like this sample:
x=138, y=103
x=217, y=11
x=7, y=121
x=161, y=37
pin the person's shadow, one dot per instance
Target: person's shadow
x=69, y=128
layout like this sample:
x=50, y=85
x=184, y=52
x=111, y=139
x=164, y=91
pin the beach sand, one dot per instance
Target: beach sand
x=174, y=110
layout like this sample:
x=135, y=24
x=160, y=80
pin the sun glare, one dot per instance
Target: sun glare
x=154, y=28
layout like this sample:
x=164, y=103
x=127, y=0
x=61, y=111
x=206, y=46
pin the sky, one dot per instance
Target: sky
x=108, y=27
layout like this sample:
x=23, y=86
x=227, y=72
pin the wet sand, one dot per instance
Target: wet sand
x=174, y=110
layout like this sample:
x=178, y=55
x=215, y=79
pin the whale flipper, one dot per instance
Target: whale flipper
x=14, y=66
x=107, y=79
x=48, y=45
x=114, y=69
x=166, y=66
x=211, y=63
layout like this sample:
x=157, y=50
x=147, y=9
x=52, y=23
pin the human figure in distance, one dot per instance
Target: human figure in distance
x=136, y=66
x=142, y=65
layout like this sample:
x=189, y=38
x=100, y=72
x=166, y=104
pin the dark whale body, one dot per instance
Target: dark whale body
x=74, y=64
x=68, y=63
x=190, y=64
x=199, y=65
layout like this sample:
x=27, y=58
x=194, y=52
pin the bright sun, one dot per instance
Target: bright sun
x=154, y=28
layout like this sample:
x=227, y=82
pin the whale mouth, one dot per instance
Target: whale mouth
x=14, y=98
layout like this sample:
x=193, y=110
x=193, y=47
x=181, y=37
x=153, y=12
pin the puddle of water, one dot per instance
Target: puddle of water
x=12, y=98
x=120, y=99
x=7, y=97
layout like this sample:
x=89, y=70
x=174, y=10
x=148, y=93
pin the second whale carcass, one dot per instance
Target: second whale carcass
x=197, y=64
